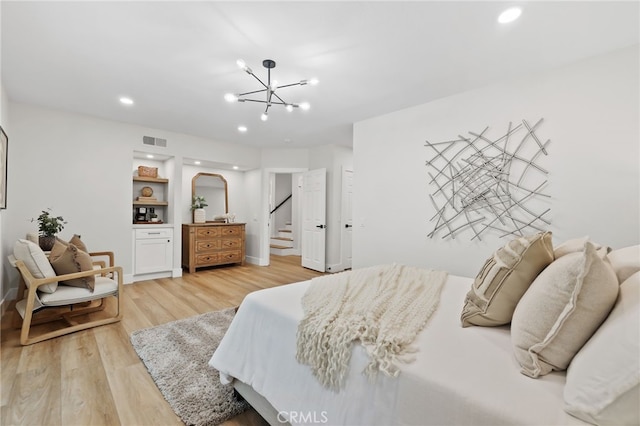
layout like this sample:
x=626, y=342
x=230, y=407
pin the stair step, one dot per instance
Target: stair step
x=276, y=246
x=282, y=238
x=285, y=230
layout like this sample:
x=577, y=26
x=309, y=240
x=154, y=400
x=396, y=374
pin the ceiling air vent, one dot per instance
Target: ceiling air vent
x=150, y=140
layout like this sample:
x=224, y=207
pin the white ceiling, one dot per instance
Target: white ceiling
x=178, y=59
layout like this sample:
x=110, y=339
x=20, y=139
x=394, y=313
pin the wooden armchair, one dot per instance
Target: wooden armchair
x=66, y=301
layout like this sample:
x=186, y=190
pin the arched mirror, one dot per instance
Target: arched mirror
x=213, y=187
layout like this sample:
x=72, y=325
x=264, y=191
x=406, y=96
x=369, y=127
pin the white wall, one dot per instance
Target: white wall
x=257, y=251
x=591, y=114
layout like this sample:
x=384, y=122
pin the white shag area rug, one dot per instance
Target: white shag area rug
x=177, y=356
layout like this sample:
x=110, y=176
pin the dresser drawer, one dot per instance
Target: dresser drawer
x=231, y=230
x=207, y=259
x=207, y=245
x=231, y=243
x=207, y=233
x=230, y=256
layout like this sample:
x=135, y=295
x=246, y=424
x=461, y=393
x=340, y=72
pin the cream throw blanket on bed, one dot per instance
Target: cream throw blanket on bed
x=384, y=307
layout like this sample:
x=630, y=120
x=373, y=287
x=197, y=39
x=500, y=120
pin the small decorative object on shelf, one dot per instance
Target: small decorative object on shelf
x=199, y=213
x=144, y=171
x=48, y=227
x=146, y=194
x=146, y=191
x=152, y=215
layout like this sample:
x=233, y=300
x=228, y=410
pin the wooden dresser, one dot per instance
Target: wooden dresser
x=209, y=244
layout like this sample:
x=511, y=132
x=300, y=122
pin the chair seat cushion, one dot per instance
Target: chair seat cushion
x=65, y=295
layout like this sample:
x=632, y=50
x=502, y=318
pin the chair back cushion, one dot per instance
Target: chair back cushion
x=36, y=262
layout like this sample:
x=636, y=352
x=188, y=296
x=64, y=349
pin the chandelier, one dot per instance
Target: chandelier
x=270, y=88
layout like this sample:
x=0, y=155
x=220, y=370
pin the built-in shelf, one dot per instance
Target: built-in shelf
x=142, y=206
x=150, y=203
x=150, y=179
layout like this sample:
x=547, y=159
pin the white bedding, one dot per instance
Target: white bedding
x=462, y=376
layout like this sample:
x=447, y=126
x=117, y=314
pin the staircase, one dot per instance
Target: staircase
x=282, y=245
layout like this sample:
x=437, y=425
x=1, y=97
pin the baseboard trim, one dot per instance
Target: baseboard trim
x=255, y=261
x=11, y=295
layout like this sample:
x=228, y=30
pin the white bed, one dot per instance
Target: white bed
x=462, y=376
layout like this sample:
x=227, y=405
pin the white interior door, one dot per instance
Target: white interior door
x=314, y=225
x=347, y=217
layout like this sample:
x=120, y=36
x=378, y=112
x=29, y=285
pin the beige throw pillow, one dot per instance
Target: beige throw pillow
x=576, y=245
x=504, y=278
x=561, y=310
x=76, y=241
x=67, y=259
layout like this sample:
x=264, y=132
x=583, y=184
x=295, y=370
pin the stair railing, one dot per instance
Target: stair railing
x=281, y=203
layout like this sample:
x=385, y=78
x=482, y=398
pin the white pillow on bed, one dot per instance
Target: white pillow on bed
x=577, y=244
x=625, y=261
x=561, y=310
x=603, y=380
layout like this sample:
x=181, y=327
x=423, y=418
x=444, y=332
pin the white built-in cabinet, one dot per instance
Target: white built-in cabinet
x=153, y=249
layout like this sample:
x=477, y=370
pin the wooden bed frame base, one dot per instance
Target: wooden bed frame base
x=259, y=403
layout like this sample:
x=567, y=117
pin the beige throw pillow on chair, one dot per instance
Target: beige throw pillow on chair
x=67, y=259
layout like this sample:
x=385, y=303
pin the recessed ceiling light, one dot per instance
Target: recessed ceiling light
x=126, y=101
x=509, y=15
x=235, y=167
x=242, y=129
x=197, y=163
x=149, y=156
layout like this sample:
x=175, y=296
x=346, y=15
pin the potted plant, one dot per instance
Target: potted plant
x=48, y=227
x=198, y=205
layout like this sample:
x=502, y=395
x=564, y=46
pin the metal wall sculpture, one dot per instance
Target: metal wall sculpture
x=482, y=183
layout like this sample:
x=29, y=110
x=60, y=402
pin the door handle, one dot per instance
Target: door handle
x=348, y=226
x=320, y=226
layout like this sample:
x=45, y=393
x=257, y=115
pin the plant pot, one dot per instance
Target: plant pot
x=199, y=216
x=46, y=243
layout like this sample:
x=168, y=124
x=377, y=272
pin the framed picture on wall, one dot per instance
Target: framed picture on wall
x=4, y=145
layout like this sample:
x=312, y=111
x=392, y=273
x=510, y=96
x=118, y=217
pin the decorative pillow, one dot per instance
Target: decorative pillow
x=76, y=241
x=36, y=262
x=504, y=278
x=577, y=244
x=69, y=259
x=603, y=380
x=563, y=307
x=625, y=261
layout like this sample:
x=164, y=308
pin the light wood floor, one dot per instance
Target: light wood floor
x=94, y=377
